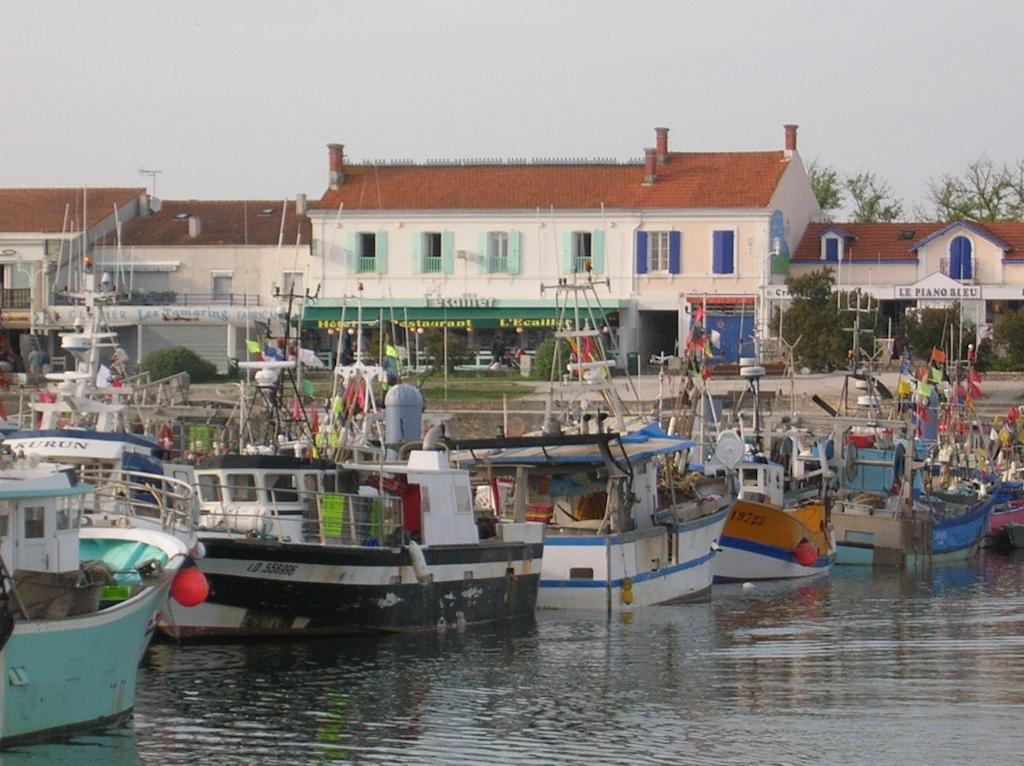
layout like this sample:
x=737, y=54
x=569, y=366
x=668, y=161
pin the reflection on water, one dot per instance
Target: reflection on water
x=858, y=668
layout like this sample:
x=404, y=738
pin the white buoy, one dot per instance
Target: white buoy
x=748, y=585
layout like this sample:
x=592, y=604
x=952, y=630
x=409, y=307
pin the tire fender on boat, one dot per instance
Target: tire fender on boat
x=419, y=562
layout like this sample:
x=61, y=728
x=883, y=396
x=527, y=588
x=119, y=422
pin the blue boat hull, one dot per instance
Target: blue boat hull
x=67, y=675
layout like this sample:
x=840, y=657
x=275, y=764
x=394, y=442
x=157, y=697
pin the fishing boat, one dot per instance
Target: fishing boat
x=85, y=420
x=294, y=547
x=887, y=512
x=362, y=526
x=628, y=522
x=80, y=597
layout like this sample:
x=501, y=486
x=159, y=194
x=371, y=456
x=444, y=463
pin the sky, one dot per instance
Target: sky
x=237, y=100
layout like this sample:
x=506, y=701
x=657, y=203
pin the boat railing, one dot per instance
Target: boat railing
x=140, y=494
x=293, y=515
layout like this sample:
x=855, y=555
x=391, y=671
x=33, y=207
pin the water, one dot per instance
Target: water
x=858, y=668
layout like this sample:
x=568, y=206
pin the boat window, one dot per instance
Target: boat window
x=209, y=488
x=310, y=485
x=63, y=513
x=241, y=488
x=282, y=487
x=329, y=483
x=581, y=573
x=34, y=524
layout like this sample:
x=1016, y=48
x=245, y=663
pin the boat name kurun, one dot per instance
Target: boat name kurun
x=52, y=444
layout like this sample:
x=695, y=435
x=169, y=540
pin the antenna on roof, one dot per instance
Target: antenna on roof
x=152, y=177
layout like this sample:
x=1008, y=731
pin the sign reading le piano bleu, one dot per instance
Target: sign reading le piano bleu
x=946, y=292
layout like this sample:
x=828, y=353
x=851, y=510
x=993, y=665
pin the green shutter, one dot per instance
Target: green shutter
x=381, y=254
x=448, y=252
x=567, y=253
x=350, y=258
x=485, y=260
x=515, y=245
x=417, y=253
x=597, y=252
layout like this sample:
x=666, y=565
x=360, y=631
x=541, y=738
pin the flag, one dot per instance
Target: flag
x=975, y=376
x=938, y=356
x=308, y=387
x=924, y=388
x=905, y=367
x=936, y=375
x=699, y=318
x=253, y=346
x=706, y=373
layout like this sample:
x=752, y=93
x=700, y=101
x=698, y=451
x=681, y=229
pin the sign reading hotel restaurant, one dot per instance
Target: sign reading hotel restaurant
x=938, y=286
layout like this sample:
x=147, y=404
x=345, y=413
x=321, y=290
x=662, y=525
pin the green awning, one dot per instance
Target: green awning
x=510, y=317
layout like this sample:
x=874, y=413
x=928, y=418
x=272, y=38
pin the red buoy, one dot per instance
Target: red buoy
x=806, y=554
x=190, y=587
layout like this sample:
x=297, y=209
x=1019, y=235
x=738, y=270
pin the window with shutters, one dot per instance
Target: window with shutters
x=366, y=252
x=960, y=258
x=582, y=251
x=497, y=252
x=831, y=248
x=431, y=253
x=659, y=243
x=723, y=252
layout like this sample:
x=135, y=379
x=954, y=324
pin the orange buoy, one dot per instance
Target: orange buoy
x=806, y=554
x=190, y=587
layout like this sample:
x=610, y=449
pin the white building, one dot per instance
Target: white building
x=468, y=244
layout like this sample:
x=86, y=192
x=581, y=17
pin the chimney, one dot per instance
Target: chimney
x=300, y=204
x=790, y=138
x=662, y=136
x=195, y=226
x=336, y=152
x=650, y=166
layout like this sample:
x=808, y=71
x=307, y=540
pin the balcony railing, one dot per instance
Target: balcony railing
x=172, y=298
x=16, y=298
x=367, y=264
x=432, y=264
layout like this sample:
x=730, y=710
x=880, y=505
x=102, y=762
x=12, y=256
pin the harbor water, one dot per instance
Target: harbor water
x=861, y=667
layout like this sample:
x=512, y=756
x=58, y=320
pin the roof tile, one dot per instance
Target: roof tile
x=42, y=210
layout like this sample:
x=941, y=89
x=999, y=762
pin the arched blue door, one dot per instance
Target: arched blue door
x=961, y=264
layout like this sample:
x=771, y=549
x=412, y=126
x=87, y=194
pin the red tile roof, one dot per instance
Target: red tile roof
x=241, y=222
x=42, y=210
x=686, y=180
x=894, y=241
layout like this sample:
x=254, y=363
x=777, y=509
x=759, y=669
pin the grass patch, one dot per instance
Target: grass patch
x=473, y=388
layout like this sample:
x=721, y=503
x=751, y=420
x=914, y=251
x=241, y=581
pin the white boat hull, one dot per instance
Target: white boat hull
x=660, y=565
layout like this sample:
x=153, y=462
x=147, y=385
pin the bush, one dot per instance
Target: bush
x=542, y=360
x=434, y=344
x=171, y=361
x=930, y=328
x=1008, y=339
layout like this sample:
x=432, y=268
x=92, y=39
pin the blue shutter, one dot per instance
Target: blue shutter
x=380, y=257
x=417, y=253
x=722, y=255
x=485, y=256
x=675, y=252
x=832, y=250
x=567, y=252
x=515, y=249
x=597, y=252
x=641, y=252
x=448, y=252
x=960, y=266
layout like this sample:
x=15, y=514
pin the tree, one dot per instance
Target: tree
x=1008, y=338
x=827, y=187
x=872, y=199
x=984, y=191
x=930, y=328
x=813, y=322
x=170, y=361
